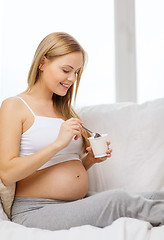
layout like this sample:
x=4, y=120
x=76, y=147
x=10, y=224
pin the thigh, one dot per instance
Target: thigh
x=99, y=210
x=66, y=215
x=90, y=210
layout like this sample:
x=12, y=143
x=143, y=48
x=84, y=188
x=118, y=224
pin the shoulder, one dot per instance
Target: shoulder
x=11, y=105
x=11, y=101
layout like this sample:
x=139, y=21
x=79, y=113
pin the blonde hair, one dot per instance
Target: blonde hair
x=54, y=45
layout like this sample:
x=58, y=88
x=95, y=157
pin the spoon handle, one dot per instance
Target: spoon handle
x=87, y=129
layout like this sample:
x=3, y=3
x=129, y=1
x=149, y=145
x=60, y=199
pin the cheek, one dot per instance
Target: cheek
x=53, y=78
x=55, y=74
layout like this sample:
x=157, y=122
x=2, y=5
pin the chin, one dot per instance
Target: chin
x=60, y=94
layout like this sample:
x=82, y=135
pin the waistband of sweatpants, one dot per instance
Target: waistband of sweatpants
x=25, y=202
x=37, y=200
x=22, y=205
x=46, y=200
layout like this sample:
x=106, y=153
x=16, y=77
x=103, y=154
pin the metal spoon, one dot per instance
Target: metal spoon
x=95, y=135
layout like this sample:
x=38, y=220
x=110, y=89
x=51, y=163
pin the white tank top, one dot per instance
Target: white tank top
x=43, y=132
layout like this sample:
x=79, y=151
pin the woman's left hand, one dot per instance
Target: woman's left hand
x=101, y=159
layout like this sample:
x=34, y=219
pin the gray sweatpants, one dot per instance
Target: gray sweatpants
x=99, y=210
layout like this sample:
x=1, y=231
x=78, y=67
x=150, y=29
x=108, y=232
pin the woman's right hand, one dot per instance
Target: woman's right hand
x=69, y=129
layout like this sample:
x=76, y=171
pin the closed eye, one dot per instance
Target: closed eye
x=65, y=71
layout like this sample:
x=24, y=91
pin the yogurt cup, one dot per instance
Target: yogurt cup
x=99, y=145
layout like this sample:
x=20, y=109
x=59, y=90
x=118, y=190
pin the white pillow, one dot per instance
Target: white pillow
x=3, y=215
x=136, y=132
x=7, y=197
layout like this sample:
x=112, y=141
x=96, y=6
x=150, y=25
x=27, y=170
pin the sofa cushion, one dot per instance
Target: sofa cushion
x=3, y=215
x=6, y=198
x=136, y=133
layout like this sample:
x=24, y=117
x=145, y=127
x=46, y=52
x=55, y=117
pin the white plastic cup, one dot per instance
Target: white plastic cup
x=99, y=145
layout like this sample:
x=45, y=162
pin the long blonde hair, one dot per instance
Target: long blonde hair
x=54, y=45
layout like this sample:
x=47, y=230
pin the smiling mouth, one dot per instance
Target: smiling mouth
x=66, y=86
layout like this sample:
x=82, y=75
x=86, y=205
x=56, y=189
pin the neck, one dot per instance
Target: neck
x=40, y=93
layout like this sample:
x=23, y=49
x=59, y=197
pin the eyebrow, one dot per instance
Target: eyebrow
x=71, y=66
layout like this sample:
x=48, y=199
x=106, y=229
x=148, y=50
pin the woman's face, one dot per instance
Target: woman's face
x=59, y=74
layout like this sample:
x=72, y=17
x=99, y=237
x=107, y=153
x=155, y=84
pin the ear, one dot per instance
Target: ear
x=42, y=62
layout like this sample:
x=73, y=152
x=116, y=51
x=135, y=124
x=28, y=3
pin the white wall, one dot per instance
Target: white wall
x=150, y=49
x=25, y=23
x=125, y=51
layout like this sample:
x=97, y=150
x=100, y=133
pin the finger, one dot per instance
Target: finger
x=77, y=127
x=109, y=150
x=74, y=125
x=88, y=149
x=76, y=134
x=109, y=154
x=102, y=159
x=75, y=120
x=76, y=137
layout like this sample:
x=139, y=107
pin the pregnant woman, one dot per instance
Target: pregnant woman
x=42, y=146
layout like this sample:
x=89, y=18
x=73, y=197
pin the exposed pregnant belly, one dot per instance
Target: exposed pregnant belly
x=64, y=181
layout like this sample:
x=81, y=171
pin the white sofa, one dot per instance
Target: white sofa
x=136, y=133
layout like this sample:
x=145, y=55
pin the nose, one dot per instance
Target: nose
x=72, y=78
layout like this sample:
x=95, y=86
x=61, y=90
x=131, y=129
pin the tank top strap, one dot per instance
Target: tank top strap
x=26, y=105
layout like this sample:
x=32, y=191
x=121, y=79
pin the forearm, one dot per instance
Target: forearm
x=20, y=167
x=87, y=162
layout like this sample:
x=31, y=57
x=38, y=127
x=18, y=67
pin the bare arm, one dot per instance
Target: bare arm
x=87, y=161
x=14, y=168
